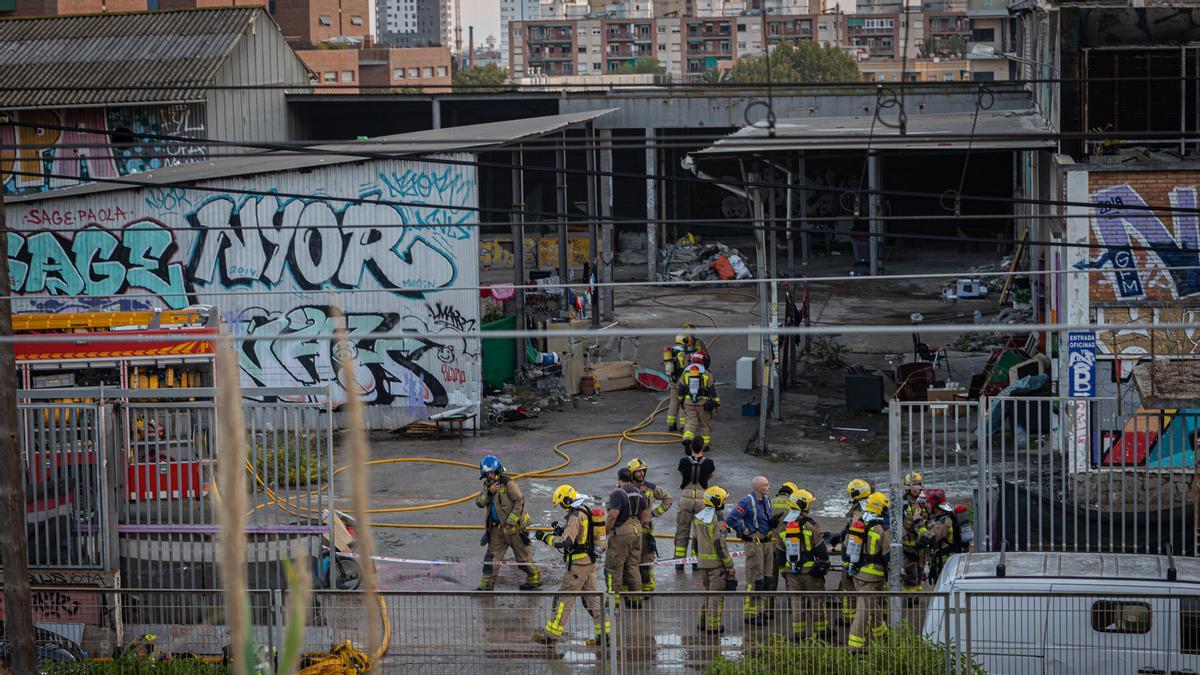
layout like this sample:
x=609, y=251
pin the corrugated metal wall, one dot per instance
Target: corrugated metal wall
x=262, y=57
x=279, y=263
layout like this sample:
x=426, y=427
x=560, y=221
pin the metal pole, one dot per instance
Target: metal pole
x=651, y=207
x=874, y=208
x=606, y=230
x=773, y=266
x=896, y=561
x=764, y=342
x=560, y=183
x=787, y=218
x=805, y=248
x=18, y=604
x=593, y=229
x=517, y=219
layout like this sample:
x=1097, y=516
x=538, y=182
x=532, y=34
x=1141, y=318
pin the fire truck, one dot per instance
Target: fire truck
x=164, y=457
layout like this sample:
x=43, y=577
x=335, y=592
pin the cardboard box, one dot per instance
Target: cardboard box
x=614, y=376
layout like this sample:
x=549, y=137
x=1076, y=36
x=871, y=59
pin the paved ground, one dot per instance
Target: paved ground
x=802, y=450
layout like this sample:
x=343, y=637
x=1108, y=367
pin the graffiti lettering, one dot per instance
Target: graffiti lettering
x=79, y=145
x=54, y=605
x=97, y=262
x=1117, y=229
x=445, y=187
x=453, y=375
x=256, y=239
x=447, y=316
x=168, y=199
x=387, y=369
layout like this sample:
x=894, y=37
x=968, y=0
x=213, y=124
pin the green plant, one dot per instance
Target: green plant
x=135, y=664
x=292, y=462
x=900, y=651
x=492, y=312
x=1022, y=296
x=647, y=66
x=828, y=352
x=806, y=62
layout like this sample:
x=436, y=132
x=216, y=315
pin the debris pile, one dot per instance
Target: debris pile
x=692, y=260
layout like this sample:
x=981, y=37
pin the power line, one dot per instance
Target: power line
x=682, y=283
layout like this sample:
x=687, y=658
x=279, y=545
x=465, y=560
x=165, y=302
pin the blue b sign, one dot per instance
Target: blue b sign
x=1081, y=364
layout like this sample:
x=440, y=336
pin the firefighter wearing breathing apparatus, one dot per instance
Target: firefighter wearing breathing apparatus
x=580, y=539
x=867, y=543
x=504, y=526
x=805, y=561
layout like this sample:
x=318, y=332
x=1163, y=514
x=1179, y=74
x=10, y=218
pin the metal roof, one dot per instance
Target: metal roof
x=437, y=141
x=1009, y=130
x=179, y=51
x=1098, y=567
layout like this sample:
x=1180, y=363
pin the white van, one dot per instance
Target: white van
x=1087, y=613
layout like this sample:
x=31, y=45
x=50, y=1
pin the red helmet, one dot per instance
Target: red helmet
x=935, y=497
x=699, y=357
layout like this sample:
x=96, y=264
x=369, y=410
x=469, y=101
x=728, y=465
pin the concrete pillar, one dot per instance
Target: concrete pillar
x=593, y=217
x=560, y=184
x=517, y=218
x=651, y=206
x=435, y=112
x=607, y=245
x=875, y=210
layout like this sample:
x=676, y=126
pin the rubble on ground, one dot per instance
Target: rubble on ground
x=631, y=248
x=692, y=260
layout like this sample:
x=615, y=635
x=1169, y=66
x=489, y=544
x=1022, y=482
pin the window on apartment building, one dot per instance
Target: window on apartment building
x=414, y=73
x=427, y=71
x=595, y=66
x=347, y=76
x=741, y=26
x=398, y=74
x=983, y=35
x=662, y=46
x=325, y=21
x=355, y=20
x=330, y=76
x=595, y=31
x=675, y=47
x=662, y=29
x=948, y=77
x=441, y=71
x=983, y=76
x=741, y=45
x=516, y=32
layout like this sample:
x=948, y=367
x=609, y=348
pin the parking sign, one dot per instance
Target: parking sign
x=1081, y=363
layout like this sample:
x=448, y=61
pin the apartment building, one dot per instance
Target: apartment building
x=872, y=36
x=352, y=71
x=410, y=23
x=516, y=10
x=13, y=8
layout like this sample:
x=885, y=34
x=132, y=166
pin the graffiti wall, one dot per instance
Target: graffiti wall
x=386, y=241
x=61, y=148
x=1147, y=256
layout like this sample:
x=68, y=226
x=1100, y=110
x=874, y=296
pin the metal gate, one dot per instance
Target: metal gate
x=1055, y=474
x=143, y=499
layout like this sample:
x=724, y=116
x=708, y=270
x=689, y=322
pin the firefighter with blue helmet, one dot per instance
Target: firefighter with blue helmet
x=505, y=525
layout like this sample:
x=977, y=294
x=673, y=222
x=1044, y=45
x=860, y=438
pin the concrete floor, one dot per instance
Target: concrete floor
x=801, y=449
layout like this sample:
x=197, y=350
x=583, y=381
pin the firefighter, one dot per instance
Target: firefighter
x=697, y=392
x=914, y=519
x=504, y=526
x=660, y=502
x=674, y=363
x=694, y=344
x=751, y=521
x=858, y=491
x=694, y=470
x=869, y=566
x=943, y=536
x=576, y=539
x=628, y=511
x=780, y=504
x=716, y=565
x=805, y=561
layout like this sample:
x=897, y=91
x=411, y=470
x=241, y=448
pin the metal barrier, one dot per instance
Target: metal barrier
x=125, y=481
x=450, y=632
x=1049, y=473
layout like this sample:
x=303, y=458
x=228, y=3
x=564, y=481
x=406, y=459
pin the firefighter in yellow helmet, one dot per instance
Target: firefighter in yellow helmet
x=916, y=516
x=868, y=555
x=697, y=392
x=675, y=361
x=577, y=540
x=660, y=502
x=716, y=565
x=858, y=490
x=779, y=506
x=693, y=343
x=805, y=561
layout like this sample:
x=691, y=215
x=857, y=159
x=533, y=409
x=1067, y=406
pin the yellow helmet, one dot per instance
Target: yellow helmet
x=564, y=495
x=636, y=464
x=788, y=488
x=858, y=489
x=801, y=500
x=715, y=497
x=913, y=479
x=688, y=324
x=877, y=503
x=681, y=339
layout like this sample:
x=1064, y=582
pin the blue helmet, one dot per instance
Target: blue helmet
x=490, y=464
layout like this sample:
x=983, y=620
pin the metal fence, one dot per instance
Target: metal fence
x=125, y=481
x=448, y=632
x=1055, y=474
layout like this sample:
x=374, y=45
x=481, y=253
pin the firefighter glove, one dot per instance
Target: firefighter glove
x=542, y=536
x=710, y=405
